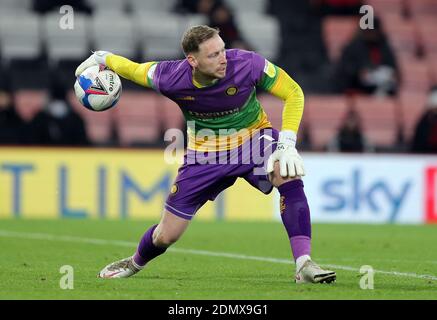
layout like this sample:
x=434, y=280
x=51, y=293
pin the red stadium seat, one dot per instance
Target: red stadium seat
x=415, y=74
x=379, y=119
x=383, y=6
x=412, y=106
x=337, y=32
x=432, y=65
x=29, y=103
x=98, y=124
x=422, y=7
x=402, y=34
x=324, y=115
x=171, y=115
x=427, y=30
x=99, y=132
x=131, y=134
x=138, y=105
x=137, y=118
x=273, y=107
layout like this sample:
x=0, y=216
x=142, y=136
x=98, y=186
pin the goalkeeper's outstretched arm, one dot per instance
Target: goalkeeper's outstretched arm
x=136, y=72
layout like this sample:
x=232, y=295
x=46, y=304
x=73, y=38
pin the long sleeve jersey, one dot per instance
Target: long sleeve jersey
x=227, y=110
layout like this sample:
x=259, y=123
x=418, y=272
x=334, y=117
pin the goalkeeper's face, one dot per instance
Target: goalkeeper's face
x=210, y=60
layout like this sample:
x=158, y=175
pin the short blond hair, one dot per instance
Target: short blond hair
x=196, y=35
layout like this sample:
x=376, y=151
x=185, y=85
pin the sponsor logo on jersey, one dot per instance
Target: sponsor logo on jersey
x=212, y=115
x=186, y=98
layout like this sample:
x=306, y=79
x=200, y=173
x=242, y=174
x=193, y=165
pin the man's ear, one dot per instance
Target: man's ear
x=192, y=60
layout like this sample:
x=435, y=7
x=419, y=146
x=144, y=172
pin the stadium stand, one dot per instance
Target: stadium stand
x=160, y=6
x=273, y=107
x=402, y=35
x=324, y=115
x=171, y=116
x=412, y=106
x=294, y=39
x=248, y=6
x=14, y=6
x=159, y=43
x=422, y=8
x=137, y=119
x=415, y=74
x=189, y=20
x=262, y=32
x=387, y=6
x=120, y=39
x=66, y=44
x=337, y=32
x=98, y=124
x=426, y=27
x=30, y=102
x=108, y=6
x=20, y=37
x=380, y=119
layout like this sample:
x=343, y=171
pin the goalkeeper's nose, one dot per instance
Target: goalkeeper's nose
x=223, y=60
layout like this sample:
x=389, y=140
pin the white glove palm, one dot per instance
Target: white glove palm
x=290, y=162
x=97, y=58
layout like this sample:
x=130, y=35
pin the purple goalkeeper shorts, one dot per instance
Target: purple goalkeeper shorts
x=204, y=175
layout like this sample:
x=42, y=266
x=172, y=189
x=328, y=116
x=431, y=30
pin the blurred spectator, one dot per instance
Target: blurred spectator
x=58, y=123
x=337, y=7
x=12, y=127
x=221, y=17
x=367, y=64
x=196, y=6
x=425, y=136
x=350, y=137
x=44, y=6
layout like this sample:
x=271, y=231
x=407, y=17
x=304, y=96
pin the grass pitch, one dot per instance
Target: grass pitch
x=214, y=260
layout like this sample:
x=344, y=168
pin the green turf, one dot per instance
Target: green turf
x=29, y=268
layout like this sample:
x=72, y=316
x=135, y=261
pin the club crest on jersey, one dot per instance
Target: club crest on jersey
x=231, y=91
x=174, y=189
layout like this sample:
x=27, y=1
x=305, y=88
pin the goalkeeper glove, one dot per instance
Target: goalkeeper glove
x=290, y=162
x=97, y=58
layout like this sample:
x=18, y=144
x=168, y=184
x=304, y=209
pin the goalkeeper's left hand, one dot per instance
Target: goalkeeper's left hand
x=290, y=162
x=97, y=58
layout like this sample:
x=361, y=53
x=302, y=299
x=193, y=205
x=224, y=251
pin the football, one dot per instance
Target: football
x=98, y=88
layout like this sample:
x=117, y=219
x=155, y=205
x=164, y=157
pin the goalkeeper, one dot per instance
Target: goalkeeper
x=216, y=91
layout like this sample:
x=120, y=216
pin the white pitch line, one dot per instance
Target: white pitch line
x=121, y=243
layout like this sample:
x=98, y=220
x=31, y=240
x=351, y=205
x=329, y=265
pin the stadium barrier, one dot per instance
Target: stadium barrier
x=133, y=184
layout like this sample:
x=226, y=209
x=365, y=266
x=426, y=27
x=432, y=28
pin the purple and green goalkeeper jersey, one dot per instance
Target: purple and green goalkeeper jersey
x=227, y=109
